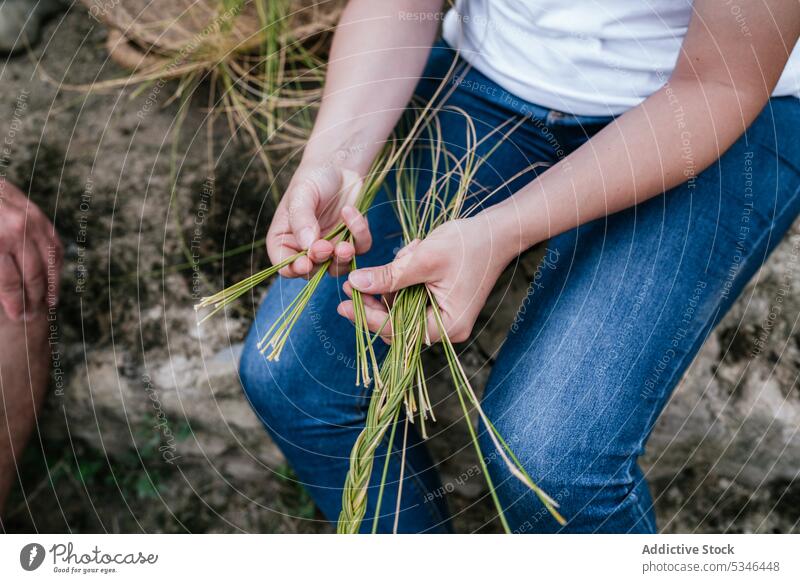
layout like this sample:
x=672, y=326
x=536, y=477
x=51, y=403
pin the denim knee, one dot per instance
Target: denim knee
x=261, y=385
x=311, y=387
x=598, y=487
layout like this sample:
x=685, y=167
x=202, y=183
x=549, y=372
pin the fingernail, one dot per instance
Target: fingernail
x=349, y=212
x=306, y=237
x=360, y=279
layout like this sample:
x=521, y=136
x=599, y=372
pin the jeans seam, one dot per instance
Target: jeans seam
x=643, y=512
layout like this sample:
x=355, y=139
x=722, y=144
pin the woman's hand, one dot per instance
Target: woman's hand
x=30, y=256
x=459, y=263
x=377, y=57
x=319, y=197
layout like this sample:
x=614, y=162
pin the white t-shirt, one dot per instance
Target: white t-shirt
x=585, y=57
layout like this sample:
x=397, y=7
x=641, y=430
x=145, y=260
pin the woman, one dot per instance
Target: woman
x=670, y=129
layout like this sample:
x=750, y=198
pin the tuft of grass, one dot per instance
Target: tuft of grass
x=263, y=61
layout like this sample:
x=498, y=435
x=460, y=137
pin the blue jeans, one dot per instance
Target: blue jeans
x=614, y=316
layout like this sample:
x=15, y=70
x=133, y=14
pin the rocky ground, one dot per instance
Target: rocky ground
x=146, y=428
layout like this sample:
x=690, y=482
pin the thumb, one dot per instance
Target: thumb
x=400, y=273
x=303, y=201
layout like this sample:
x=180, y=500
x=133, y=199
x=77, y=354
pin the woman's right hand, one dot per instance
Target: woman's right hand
x=376, y=59
x=319, y=197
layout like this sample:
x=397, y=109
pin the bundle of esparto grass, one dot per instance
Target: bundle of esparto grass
x=264, y=60
x=401, y=392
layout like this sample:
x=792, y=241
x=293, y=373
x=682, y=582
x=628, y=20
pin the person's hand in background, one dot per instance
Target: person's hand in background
x=30, y=256
x=30, y=265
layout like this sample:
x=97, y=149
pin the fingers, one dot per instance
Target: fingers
x=376, y=312
x=378, y=321
x=304, y=201
x=34, y=279
x=342, y=258
x=407, y=249
x=368, y=299
x=358, y=226
x=297, y=226
x=377, y=316
x=30, y=261
x=52, y=252
x=344, y=251
x=282, y=245
x=10, y=287
x=320, y=251
x=404, y=271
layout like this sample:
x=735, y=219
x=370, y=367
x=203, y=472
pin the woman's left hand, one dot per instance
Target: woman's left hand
x=459, y=262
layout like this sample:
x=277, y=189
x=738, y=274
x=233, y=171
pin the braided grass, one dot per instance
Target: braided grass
x=398, y=374
x=445, y=199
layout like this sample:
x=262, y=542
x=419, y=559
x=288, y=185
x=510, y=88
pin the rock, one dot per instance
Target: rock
x=21, y=22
